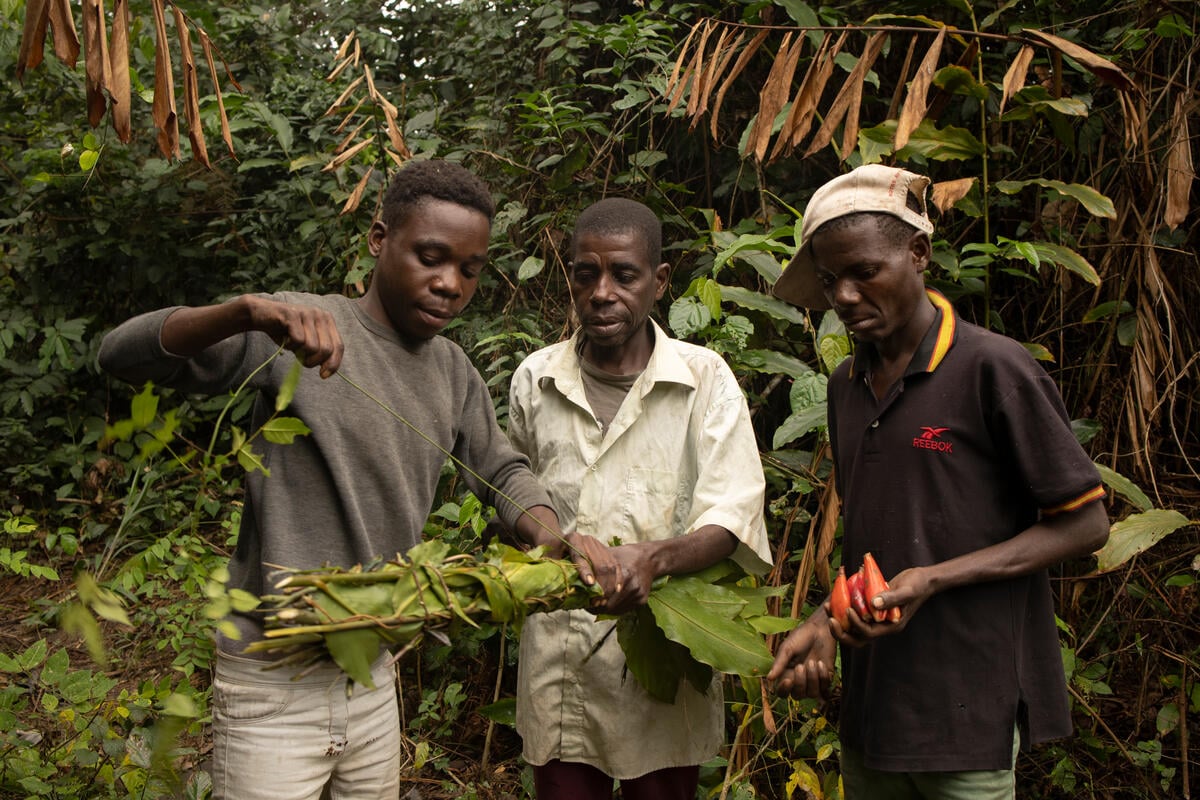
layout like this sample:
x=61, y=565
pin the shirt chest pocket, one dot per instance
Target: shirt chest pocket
x=653, y=506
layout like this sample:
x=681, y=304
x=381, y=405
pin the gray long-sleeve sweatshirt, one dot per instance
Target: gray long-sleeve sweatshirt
x=362, y=484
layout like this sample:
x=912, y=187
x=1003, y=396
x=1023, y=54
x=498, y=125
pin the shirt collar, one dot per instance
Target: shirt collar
x=933, y=348
x=665, y=365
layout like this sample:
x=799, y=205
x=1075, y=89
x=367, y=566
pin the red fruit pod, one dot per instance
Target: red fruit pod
x=858, y=597
x=875, y=584
x=839, y=601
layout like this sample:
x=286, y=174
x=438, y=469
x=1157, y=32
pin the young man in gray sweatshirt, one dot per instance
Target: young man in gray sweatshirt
x=360, y=486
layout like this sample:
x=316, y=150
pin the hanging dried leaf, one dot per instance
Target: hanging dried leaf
x=96, y=65
x=733, y=73
x=804, y=106
x=679, y=83
x=395, y=135
x=848, y=99
x=396, y=158
x=33, y=36
x=226, y=133
x=163, y=110
x=1181, y=174
x=673, y=81
x=774, y=94
x=738, y=66
x=344, y=47
x=717, y=64
x=119, y=90
x=345, y=93
x=191, y=90
x=1014, y=78
x=356, y=196
x=342, y=158
x=698, y=70
x=62, y=26
x=898, y=92
x=346, y=120
x=1099, y=66
x=350, y=137
x=372, y=92
x=946, y=193
x=917, y=102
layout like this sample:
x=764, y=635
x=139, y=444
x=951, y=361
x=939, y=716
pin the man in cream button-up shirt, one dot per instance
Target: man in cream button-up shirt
x=646, y=441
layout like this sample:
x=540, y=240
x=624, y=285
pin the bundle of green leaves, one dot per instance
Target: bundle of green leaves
x=690, y=626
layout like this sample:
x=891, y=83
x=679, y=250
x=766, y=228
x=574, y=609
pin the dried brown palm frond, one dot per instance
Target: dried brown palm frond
x=106, y=67
x=697, y=69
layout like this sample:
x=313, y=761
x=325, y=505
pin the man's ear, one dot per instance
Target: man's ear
x=662, y=276
x=375, y=236
x=921, y=249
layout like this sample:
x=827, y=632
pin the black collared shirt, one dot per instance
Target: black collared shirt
x=965, y=451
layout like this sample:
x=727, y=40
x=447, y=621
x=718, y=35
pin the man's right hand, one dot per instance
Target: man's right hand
x=804, y=661
x=307, y=331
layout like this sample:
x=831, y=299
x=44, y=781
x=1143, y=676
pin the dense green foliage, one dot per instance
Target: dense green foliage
x=120, y=503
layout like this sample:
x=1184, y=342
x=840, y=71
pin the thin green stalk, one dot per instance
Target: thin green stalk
x=459, y=463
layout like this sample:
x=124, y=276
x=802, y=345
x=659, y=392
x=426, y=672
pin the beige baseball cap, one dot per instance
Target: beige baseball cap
x=871, y=187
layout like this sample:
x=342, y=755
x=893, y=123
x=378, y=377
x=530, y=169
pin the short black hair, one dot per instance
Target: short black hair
x=622, y=215
x=434, y=179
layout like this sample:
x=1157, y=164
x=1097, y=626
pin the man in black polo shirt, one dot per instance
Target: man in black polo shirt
x=959, y=473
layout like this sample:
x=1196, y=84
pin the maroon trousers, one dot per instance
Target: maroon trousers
x=563, y=780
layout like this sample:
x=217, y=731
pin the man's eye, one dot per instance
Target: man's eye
x=826, y=280
x=626, y=278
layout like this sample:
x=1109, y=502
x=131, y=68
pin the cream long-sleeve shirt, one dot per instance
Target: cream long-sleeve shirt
x=680, y=454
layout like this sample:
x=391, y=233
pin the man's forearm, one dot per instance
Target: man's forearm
x=539, y=526
x=190, y=330
x=701, y=548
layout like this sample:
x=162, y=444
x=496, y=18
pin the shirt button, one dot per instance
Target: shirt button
x=592, y=467
x=875, y=424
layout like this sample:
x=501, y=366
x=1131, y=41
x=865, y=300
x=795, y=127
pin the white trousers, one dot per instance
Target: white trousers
x=275, y=738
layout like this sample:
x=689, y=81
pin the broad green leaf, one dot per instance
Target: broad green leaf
x=941, y=144
x=287, y=389
x=1038, y=351
x=1167, y=719
x=353, y=651
x=688, y=316
x=749, y=243
x=503, y=711
x=772, y=362
x=800, y=12
x=180, y=705
x=251, y=460
x=1125, y=487
x=649, y=655
x=725, y=645
x=284, y=430
x=143, y=407
x=1097, y=204
x=1066, y=257
x=756, y=301
x=959, y=80
x=709, y=293
x=798, y=424
x=88, y=159
x=530, y=267
x=33, y=655
x=770, y=625
x=1138, y=533
x=808, y=391
x=1105, y=310
x=1085, y=430
x=834, y=349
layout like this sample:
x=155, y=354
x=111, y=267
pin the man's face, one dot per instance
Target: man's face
x=427, y=267
x=873, y=283
x=614, y=286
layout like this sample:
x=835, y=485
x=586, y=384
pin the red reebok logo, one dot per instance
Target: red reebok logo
x=931, y=439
